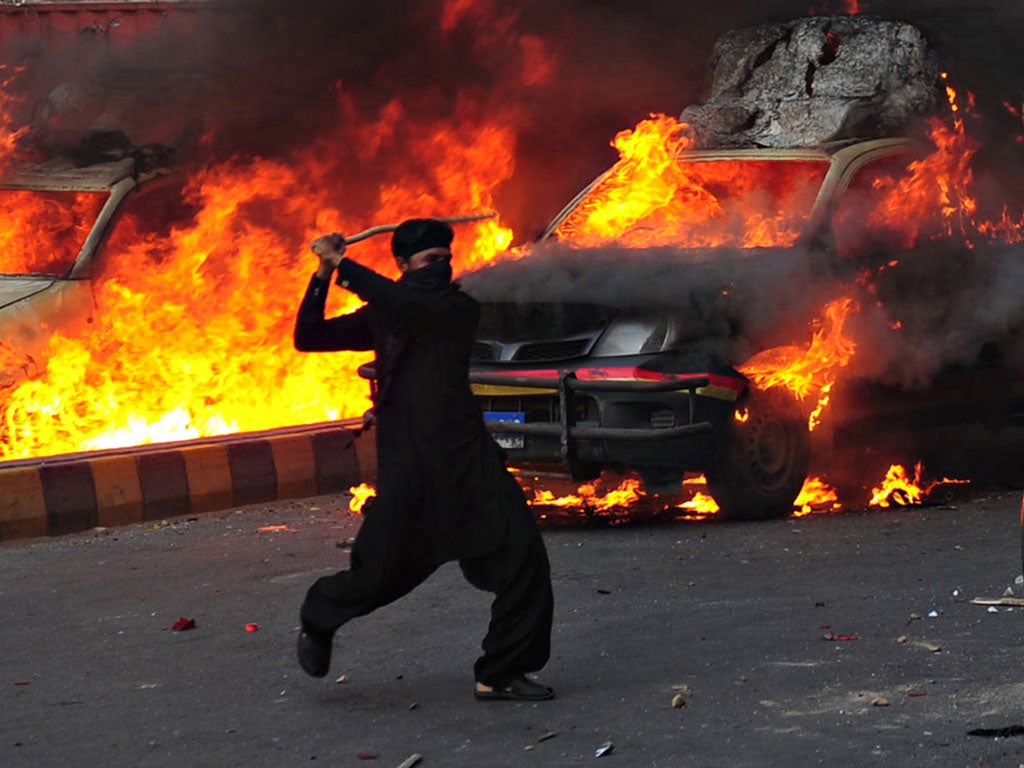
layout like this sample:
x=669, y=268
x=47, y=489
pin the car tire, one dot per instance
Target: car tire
x=762, y=462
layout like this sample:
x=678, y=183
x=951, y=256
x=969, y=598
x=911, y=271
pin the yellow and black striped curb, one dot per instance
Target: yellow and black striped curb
x=68, y=494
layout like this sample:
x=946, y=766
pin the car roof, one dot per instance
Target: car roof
x=64, y=174
x=823, y=152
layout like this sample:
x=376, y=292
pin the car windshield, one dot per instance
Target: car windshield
x=742, y=203
x=42, y=232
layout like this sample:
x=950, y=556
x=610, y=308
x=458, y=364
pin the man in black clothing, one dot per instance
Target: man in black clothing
x=443, y=492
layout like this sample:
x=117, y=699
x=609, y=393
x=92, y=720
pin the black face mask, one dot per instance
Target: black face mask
x=436, y=275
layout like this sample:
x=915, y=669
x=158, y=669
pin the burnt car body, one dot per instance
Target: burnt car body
x=60, y=215
x=584, y=388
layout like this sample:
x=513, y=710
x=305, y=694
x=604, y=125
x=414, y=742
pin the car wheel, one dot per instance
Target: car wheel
x=762, y=462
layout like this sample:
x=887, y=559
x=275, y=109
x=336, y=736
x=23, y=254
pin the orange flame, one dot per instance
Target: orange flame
x=901, y=489
x=626, y=493
x=10, y=133
x=810, y=370
x=649, y=198
x=193, y=336
x=360, y=495
x=898, y=488
x=816, y=494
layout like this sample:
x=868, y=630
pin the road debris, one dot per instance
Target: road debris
x=678, y=702
x=183, y=625
x=604, y=749
x=272, y=528
x=410, y=761
x=1016, y=602
x=367, y=755
x=838, y=638
x=21, y=682
x=546, y=736
x=880, y=701
x=252, y=626
x=998, y=733
x=342, y=679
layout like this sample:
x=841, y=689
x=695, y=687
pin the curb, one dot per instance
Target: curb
x=78, y=492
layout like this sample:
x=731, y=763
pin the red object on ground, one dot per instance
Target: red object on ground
x=367, y=756
x=21, y=682
x=252, y=627
x=183, y=624
x=830, y=636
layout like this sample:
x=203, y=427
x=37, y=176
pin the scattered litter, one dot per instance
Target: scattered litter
x=916, y=694
x=902, y=639
x=546, y=736
x=993, y=609
x=915, y=616
x=367, y=756
x=342, y=679
x=1014, y=601
x=998, y=733
x=838, y=638
x=1019, y=580
x=410, y=761
x=604, y=749
x=272, y=528
x=603, y=592
x=956, y=593
x=21, y=682
x=881, y=701
x=681, y=688
x=678, y=702
x=183, y=625
x=413, y=706
x=931, y=647
x=1008, y=592
x=252, y=626
x=933, y=614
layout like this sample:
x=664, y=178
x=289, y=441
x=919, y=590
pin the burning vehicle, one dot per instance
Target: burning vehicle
x=61, y=213
x=669, y=320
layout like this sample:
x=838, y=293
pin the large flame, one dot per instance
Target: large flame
x=193, y=336
x=808, y=371
x=649, y=198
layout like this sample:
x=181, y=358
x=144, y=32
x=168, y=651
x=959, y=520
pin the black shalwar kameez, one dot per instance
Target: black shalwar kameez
x=443, y=492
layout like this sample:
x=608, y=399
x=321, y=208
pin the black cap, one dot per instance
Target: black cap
x=415, y=235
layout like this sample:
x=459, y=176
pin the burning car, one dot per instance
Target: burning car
x=60, y=215
x=672, y=318
x=657, y=387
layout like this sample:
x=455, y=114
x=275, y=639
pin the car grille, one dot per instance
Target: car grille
x=663, y=419
x=530, y=352
x=551, y=350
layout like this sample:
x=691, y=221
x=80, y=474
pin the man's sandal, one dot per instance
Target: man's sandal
x=520, y=689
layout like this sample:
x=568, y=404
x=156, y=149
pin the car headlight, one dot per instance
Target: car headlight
x=632, y=336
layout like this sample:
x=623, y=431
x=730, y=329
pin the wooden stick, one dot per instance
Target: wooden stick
x=380, y=229
x=410, y=761
x=1011, y=601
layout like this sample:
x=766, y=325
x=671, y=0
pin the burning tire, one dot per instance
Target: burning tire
x=762, y=463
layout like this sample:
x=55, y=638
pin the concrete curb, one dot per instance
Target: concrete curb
x=68, y=494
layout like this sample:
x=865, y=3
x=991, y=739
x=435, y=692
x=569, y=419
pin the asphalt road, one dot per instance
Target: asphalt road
x=732, y=618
